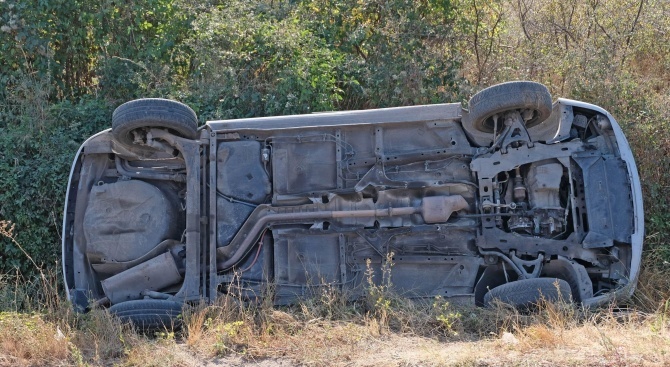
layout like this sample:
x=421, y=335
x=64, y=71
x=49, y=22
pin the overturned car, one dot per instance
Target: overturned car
x=514, y=198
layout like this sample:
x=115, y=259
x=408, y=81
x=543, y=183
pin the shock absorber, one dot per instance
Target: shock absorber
x=519, y=187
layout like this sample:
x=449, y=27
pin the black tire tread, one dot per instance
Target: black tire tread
x=506, y=97
x=526, y=292
x=149, y=314
x=153, y=112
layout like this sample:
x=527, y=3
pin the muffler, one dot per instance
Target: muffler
x=154, y=274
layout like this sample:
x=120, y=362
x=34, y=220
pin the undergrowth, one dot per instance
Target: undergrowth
x=38, y=327
x=307, y=333
x=272, y=57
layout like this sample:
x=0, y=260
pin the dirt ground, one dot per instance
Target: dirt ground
x=541, y=347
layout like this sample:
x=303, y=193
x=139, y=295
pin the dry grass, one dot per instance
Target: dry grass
x=38, y=328
x=435, y=334
x=329, y=330
x=605, y=338
x=26, y=339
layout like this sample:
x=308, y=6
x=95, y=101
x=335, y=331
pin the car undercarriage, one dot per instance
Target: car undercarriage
x=516, y=191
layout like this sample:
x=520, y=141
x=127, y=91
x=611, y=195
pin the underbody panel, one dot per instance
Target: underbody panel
x=404, y=196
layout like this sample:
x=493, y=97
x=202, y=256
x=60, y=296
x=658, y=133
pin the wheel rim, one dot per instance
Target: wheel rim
x=488, y=125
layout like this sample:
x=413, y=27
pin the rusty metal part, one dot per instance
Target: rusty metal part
x=114, y=267
x=102, y=302
x=155, y=274
x=190, y=150
x=126, y=170
x=519, y=187
x=436, y=209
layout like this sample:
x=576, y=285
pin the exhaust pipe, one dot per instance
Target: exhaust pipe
x=433, y=209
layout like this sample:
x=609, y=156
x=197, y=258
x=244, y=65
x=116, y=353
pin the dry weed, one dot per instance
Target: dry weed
x=30, y=340
x=100, y=336
x=332, y=330
x=653, y=288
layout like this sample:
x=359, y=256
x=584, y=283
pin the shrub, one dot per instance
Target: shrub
x=34, y=167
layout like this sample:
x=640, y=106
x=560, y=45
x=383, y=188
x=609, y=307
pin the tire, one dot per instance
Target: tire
x=149, y=314
x=174, y=116
x=520, y=95
x=528, y=292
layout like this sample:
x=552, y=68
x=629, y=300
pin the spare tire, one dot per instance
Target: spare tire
x=149, y=314
x=528, y=292
x=140, y=114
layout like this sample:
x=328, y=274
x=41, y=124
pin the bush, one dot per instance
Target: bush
x=250, y=61
x=34, y=167
x=394, y=53
x=60, y=76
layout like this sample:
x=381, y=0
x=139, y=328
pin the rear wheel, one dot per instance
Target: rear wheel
x=131, y=120
x=149, y=314
x=528, y=292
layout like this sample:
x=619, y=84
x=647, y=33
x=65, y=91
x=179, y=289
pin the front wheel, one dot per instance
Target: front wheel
x=530, y=97
x=526, y=293
x=131, y=120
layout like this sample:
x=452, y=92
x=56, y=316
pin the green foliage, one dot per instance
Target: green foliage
x=51, y=39
x=141, y=48
x=251, y=62
x=482, y=30
x=447, y=317
x=397, y=52
x=70, y=42
x=34, y=167
x=256, y=59
x=65, y=64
